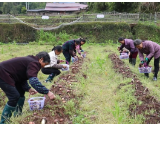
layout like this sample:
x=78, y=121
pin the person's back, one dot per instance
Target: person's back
x=19, y=69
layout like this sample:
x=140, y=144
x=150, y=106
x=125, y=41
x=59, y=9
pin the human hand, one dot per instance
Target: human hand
x=51, y=95
x=64, y=66
x=141, y=64
x=32, y=91
x=62, y=60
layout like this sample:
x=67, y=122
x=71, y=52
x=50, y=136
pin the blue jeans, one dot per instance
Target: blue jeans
x=13, y=93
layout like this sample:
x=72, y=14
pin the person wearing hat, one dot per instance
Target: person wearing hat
x=151, y=49
x=133, y=51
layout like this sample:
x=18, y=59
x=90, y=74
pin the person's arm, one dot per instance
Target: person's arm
x=32, y=71
x=36, y=84
x=151, y=50
x=141, y=56
x=121, y=47
x=78, y=49
x=71, y=50
x=57, y=66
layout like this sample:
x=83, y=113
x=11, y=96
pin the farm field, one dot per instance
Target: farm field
x=101, y=95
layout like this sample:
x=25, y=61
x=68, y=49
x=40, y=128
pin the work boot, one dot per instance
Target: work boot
x=19, y=107
x=7, y=113
x=50, y=78
x=147, y=75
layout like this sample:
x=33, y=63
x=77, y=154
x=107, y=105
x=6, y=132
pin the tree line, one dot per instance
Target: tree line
x=130, y=7
x=19, y=7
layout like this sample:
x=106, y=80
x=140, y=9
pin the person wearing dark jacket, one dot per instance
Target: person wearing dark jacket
x=69, y=49
x=53, y=68
x=14, y=74
x=129, y=44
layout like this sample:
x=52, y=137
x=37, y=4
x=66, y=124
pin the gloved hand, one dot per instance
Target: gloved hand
x=141, y=64
x=146, y=59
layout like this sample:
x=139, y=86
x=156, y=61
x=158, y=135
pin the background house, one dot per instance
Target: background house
x=59, y=8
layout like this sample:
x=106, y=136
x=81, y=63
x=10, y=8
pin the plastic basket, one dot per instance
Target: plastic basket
x=74, y=59
x=145, y=69
x=84, y=55
x=36, y=103
x=65, y=69
x=124, y=56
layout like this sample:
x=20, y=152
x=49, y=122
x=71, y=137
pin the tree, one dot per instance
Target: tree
x=23, y=10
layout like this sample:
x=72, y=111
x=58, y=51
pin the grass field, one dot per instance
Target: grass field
x=103, y=103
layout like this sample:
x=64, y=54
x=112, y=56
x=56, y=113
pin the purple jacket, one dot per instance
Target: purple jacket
x=129, y=45
x=151, y=49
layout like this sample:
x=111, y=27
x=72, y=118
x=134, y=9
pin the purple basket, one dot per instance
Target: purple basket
x=145, y=69
x=36, y=103
x=124, y=56
x=84, y=55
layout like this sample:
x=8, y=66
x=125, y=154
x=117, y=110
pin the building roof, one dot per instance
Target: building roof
x=61, y=7
x=65, y=6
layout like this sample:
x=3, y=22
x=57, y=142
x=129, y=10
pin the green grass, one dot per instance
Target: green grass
x=102, y=103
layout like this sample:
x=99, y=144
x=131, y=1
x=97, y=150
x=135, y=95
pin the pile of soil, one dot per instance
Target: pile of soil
x=54, y=111
x=150, y=107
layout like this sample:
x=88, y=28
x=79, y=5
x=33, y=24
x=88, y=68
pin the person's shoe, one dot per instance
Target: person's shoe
x=7, y=113
x=19, y=107
x=154, y=79
x=146, y=75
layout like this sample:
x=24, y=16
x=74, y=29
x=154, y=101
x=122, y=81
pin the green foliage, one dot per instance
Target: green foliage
x=23, y=10
x=97, y=31
x=16, y=32
x=19, y=7
x=147, y=31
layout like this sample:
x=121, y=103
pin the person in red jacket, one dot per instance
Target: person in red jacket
x=14, y=74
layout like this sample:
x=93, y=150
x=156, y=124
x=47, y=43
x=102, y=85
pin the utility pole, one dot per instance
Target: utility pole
x=26, y=6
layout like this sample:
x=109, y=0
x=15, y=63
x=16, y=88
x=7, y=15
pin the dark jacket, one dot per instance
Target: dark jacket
x=19, y=70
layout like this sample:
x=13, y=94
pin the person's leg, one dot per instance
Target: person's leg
x=130, y=60
x=67, y=56
x=52, y=73
x=134, y=56
x=156, y=68
x=147, y=74
x=21, y=100
x=133, y=61
x=13, y=96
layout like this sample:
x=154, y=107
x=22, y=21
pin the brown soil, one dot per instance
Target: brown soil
x=54, y=112
x=150, y=107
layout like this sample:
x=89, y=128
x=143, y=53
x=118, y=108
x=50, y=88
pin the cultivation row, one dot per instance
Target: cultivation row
x=54, y=111
x=150, y=106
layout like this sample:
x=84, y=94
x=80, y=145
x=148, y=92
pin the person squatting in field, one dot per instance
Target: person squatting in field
x=14, y=74
x=133, y=51
x=53, y=68
x=69, y=49
x=151, y=49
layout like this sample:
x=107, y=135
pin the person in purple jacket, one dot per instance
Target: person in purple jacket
x=151, y=49
x=128, y=44
x=14, y=74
